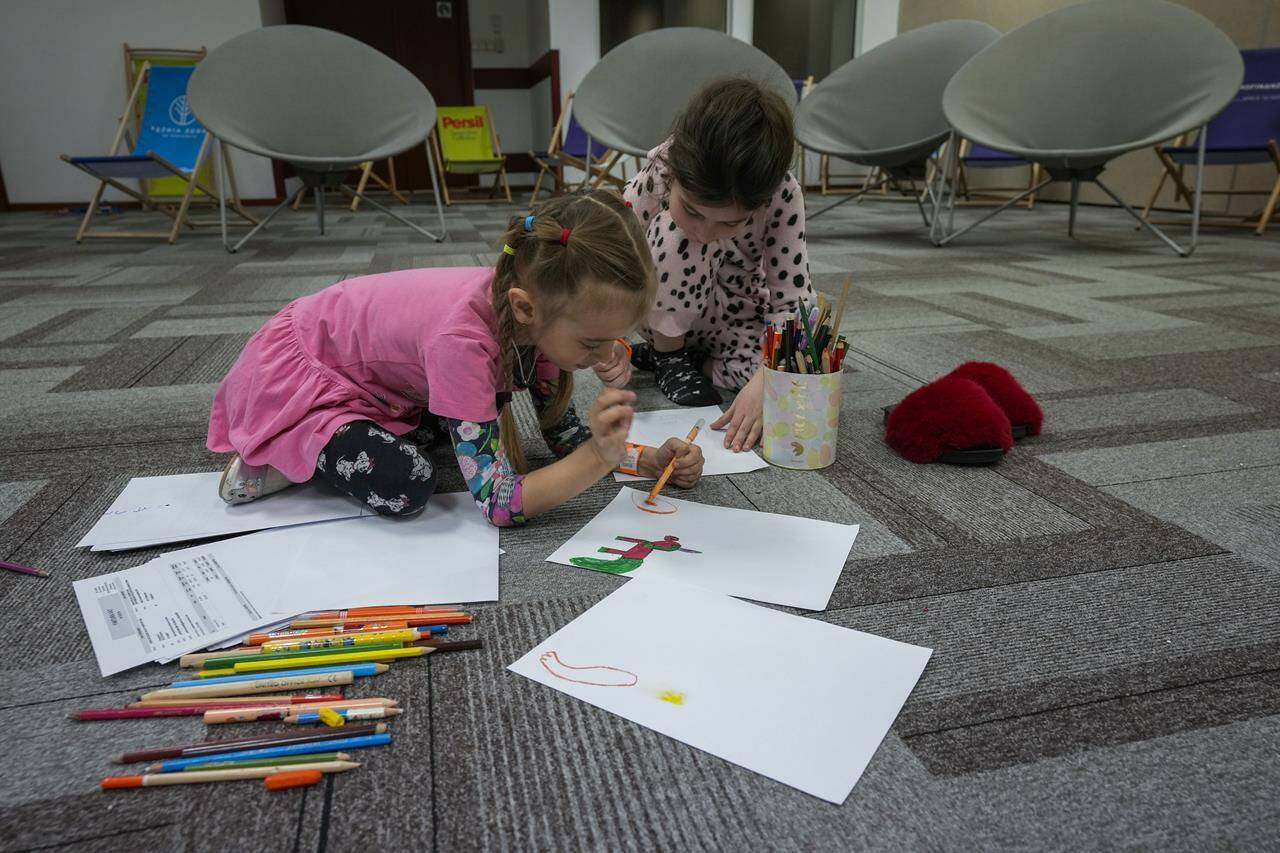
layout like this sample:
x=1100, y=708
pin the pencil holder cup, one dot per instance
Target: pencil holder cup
x=801, y=418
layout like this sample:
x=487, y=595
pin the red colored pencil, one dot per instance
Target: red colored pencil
x=86, y=715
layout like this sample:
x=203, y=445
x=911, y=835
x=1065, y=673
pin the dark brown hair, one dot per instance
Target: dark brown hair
x=604, y=258
x=732, y=144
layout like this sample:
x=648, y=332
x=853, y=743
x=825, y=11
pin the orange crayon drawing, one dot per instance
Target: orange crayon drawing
x=607, y=676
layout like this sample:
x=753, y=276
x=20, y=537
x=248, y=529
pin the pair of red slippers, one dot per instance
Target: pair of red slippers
x=971, y=416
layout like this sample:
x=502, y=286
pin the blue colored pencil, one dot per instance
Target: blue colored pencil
x=359, y=670
x=173, y=764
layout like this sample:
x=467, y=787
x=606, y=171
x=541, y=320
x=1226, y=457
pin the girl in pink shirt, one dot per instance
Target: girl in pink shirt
x=354, y=383
x=724, y=220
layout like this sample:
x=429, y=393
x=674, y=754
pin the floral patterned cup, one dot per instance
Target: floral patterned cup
x=801, y=417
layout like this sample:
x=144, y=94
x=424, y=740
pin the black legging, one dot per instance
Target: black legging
x=388, y=473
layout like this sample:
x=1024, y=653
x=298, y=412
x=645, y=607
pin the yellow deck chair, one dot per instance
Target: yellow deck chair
x=466, y=143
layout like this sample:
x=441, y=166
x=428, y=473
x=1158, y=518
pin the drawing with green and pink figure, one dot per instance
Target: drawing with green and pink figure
x=630, y=559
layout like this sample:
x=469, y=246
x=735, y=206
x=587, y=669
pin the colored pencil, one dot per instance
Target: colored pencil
x=248, y=688
x=358, y=638
x=344, y=630
x=309, y=654
x=287, y=669
x=411, y=622
x=671, y=466
x=241, y=701
x=22, y=570
x=844, y=296
x=311, y=758
x=87, y=715
x=148, y=780
x=171, y=765
x=358, y=658
x=308, y=718
x=283, y=712
x=386, y=610
x=238, y=744
x=292, y=779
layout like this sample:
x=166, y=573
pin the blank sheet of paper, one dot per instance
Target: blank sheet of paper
x=654, y=428
x=794, y=699
x=179, y=508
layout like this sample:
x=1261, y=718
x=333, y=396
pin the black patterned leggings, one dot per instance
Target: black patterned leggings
x=390, y=474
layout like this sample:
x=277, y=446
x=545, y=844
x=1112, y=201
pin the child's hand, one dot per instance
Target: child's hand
x=610, y=420
x=745, y=418
x=689, y=461
x=615, y=372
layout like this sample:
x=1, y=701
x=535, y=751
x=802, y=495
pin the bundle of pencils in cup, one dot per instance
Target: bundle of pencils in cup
x=810, y=341
x=318, y=653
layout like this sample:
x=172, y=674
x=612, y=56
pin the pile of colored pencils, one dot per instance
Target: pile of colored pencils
x=319, y=653
x=809, y=342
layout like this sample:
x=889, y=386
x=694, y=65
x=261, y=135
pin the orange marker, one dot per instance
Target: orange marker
x=671, y=466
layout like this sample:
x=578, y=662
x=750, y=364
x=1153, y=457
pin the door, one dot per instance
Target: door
x=431, y=39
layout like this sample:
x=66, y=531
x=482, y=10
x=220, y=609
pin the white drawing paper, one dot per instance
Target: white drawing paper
x=205, y=595
x=797, y=700
x=654, y=428
x=182, y=507
x=780, y=559
x=168, y=607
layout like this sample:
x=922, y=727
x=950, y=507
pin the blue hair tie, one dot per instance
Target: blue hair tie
x=528, y=222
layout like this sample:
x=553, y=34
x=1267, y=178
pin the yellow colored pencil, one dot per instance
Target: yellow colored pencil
x=397, y=635
x=334, y=660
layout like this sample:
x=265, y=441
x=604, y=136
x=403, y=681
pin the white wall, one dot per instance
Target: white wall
x=742, y=15
x=62, y=83
x=877, y=23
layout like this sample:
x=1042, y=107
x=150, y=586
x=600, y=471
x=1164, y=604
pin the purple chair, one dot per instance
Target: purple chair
x=981, y=157
x=1247, y=131
x=568, y=148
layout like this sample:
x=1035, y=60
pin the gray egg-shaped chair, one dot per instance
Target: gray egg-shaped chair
x=1078, y=87
x=318, y=100
x=630, y=98
x=883, y=109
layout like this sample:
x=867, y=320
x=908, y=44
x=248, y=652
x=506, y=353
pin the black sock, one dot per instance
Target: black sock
x=642, y=357
x=681, y=381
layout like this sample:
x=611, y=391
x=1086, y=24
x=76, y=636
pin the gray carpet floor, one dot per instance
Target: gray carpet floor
x=1103, y=603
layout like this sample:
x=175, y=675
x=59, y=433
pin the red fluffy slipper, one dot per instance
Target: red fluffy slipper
x=1023, y=411
x=951, y=420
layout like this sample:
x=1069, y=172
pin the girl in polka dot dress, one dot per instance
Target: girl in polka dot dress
x=724, y=220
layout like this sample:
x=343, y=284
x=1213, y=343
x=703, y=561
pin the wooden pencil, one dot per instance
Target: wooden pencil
x=844, y=296
x=251, y=714
x=257, y=685
x=237, y=701
x=148, y=780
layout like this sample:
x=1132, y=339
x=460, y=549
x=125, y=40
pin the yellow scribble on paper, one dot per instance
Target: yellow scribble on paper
x=675, y=697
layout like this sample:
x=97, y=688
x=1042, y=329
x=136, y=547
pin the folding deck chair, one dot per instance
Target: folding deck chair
x=1247, y=131
x=134, y=59
x=572, y=152
x=170, y=143
x=467, y=144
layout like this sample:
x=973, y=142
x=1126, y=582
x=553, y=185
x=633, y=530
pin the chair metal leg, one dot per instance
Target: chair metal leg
x=1145, y=223
x=1075, y=202
x=319, y=196
x=376, y=206
x=435, y=189
x=262, y=224
x=951, y=235
x=937, y=235
x=221, y=166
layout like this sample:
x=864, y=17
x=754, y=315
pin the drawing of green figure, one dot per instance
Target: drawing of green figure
x=630, y=559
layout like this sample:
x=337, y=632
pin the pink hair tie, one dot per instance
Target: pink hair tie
x=564, y=236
